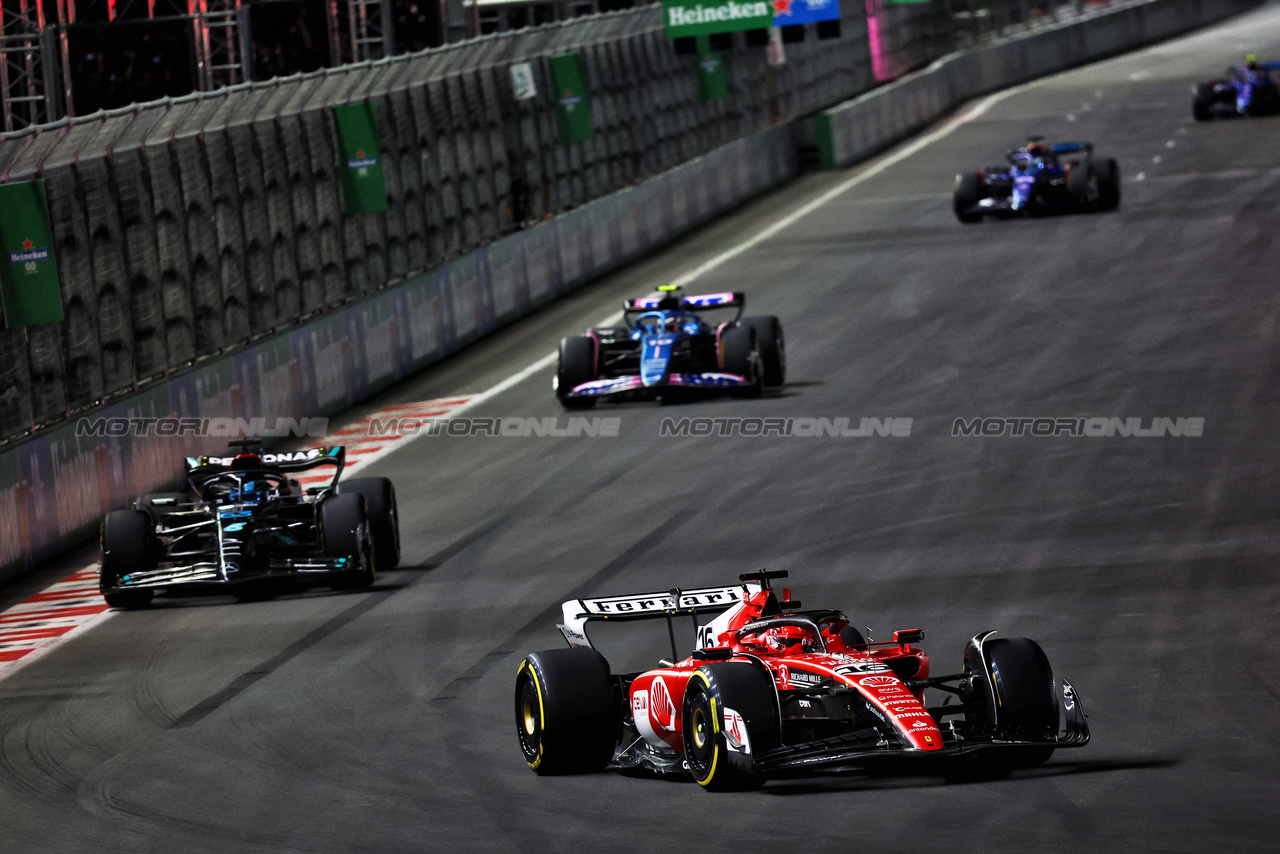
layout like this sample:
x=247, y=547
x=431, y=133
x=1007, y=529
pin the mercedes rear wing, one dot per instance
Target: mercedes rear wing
x=646, y=606
x=284, y=461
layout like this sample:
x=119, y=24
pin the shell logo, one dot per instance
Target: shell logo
x=878, y=681
x=660, y=705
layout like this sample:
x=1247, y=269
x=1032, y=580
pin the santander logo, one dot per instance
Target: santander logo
x=660, y=705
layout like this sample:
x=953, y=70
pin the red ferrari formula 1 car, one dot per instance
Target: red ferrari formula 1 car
x=775, y=691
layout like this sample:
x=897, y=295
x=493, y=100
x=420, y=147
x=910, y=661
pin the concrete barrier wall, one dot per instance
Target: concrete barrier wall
x=859, y=128
x=55, y=489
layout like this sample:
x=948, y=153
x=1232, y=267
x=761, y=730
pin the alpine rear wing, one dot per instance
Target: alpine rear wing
x=727, y=299
x=645, y=606
x=1068, y=147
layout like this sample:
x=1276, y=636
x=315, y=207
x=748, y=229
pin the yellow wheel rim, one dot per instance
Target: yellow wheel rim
x=530, y=713
x=699, y=728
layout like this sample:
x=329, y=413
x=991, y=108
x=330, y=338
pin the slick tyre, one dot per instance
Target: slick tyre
x=773, y=348
x=730, y=717
x=577, y=366
x=1082, y=185
x=1107, y=172
x=567, y=719
x=1202, y=103
x=1026, y=700
x=740, y=354
x=384, y=517
x=344, y=533
x=969, y=191
x=127, y=547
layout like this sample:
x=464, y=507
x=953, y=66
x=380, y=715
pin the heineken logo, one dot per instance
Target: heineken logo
x=362, y=162
x=691, y=17
x=29, y=254
x=570, y=100
x=683, y=16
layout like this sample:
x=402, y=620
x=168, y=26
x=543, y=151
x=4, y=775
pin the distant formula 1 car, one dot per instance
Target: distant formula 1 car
x=773, y=691
x=246, y=526
x=666, y=348
x=1246, y=90
x=1040, y=179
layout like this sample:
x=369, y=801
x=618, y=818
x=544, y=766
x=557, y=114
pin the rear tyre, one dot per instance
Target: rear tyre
x=740, y=354
x=567, y=719
x=1082, y=185
x=577, y=366
x=384, y=517
x=773, y=348
x=969, y=191
x=1108, y=175
x=730, y=717
x=127, y=547
x=344, y=533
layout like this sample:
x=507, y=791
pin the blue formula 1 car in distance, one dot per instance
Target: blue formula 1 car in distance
x=667, y=350
x=1246, y=90
x=1039, y=179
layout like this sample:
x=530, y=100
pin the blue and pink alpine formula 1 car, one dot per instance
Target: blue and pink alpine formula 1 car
x=666, y=349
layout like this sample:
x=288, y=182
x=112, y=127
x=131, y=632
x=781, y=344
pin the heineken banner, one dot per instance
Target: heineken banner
x=703, y=17
x=573, y=109
x=364, y=188
x=713, y=85
x=28, y=271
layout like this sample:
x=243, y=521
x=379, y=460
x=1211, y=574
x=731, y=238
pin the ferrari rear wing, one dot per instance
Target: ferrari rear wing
x=727, y=299
x=645, y=606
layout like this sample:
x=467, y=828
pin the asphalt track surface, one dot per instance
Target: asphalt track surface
x=381, y=721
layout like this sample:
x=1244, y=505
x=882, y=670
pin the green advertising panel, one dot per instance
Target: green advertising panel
x=364, y=188
x=28, y=270
x=695, y=18
x=573, y=109
x=713, y=84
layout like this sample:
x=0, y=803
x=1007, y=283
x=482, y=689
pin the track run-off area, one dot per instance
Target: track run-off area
x=381, y=720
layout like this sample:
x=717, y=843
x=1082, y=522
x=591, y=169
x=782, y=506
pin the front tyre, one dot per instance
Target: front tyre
x=730, y=717
x=127, y=547
x=1108, y=174
x=577, y=366
x=740, y=354
x=970, y=189
x=384, y=517
x=344, y=533
x=773, y=348
x=567, y=719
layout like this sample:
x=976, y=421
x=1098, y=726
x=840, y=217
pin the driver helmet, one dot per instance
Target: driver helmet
x=789, y=639
x=1036, y=149
x=674, y=324
x=1251, y=62
x=246, y=462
